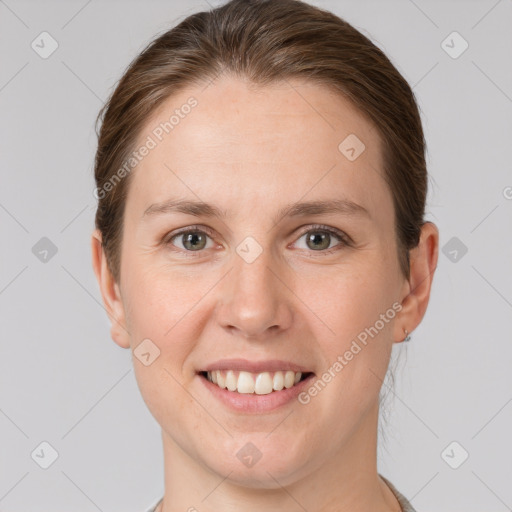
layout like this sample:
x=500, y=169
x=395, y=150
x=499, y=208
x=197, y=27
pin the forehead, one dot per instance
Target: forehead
x=249, y=143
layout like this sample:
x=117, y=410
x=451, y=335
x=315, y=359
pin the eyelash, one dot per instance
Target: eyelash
x=344, y=239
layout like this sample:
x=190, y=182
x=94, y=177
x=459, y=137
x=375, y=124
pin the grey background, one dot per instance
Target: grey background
x=62, y=379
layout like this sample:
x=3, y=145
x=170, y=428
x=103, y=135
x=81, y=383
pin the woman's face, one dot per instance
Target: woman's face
x=269, y=275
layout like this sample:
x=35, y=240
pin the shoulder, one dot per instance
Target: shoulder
x=404, y=502
x=154, y=507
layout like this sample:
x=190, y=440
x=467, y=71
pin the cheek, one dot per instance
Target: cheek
x=348, y=298
x=156, y=310
x=161, y=309
x=354, y=336
x=158, y=299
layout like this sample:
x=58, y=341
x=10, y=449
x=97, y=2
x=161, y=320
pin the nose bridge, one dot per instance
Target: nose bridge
x=254, y=300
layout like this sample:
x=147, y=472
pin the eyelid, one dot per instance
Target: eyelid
x=187, y=229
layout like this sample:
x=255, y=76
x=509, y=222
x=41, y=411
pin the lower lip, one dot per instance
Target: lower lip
x=253, y=403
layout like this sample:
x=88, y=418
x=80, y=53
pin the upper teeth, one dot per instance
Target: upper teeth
x=259, y=383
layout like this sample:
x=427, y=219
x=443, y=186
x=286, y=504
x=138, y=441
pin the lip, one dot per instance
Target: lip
x=253, y=403
x=270, y=365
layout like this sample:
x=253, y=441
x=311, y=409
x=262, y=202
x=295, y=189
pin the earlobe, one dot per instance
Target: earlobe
x=423, y=263
x=110, y=292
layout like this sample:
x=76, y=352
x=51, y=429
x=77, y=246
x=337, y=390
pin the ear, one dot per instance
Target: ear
x=416, y=291
x=110, y=292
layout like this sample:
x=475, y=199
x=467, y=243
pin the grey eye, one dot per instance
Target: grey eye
x=191, y=240
x=318, y=240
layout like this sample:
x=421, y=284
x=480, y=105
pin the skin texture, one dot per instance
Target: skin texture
x=251, y=151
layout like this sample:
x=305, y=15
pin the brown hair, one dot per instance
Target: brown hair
x=266, y=41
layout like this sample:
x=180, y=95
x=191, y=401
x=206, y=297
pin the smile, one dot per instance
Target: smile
x=262, y=383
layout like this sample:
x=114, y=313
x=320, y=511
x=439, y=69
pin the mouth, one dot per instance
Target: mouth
x=261, y=383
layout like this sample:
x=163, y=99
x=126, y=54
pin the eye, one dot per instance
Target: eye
x=320, y=238
x=190, y=240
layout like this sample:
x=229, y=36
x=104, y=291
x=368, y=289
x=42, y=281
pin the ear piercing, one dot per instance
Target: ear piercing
x=407, y=336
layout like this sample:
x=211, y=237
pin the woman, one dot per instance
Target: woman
x=260, y=245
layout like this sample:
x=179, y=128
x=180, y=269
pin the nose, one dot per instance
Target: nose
x=255, y=299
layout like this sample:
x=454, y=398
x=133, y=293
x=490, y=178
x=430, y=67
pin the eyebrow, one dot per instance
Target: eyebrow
x=300, y=209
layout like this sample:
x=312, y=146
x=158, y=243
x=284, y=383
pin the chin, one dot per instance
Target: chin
x=257, y=461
